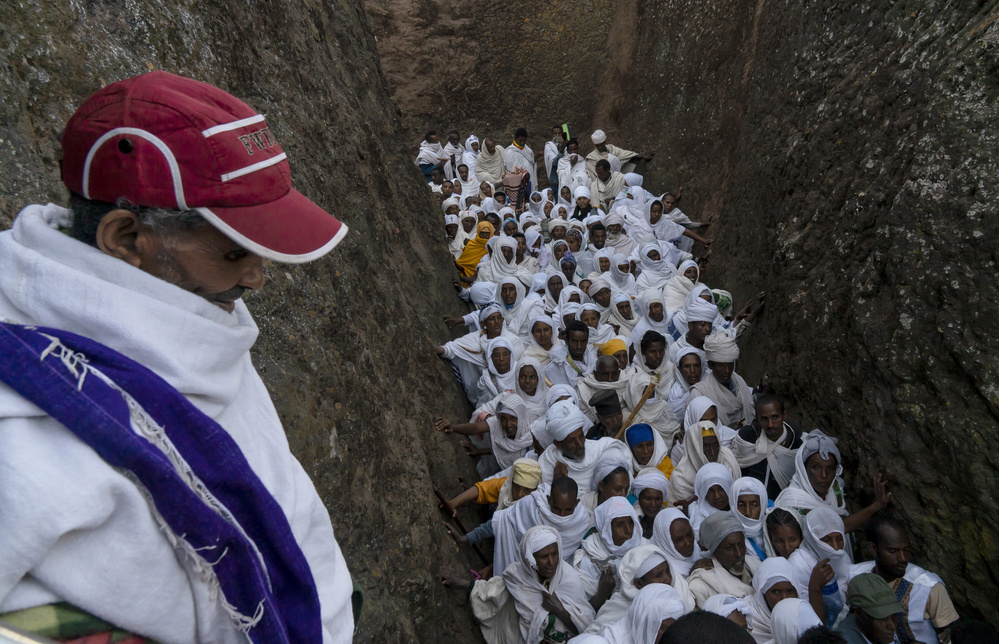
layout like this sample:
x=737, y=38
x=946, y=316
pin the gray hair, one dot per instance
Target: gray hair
x=87, y=216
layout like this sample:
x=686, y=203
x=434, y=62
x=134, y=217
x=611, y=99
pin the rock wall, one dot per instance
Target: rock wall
x=343, y=341
x=847, y=155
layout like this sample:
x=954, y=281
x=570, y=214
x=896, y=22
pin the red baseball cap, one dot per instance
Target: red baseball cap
x=166, y=141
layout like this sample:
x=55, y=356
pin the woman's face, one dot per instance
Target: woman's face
x=669, y=203
x=834, y=540
x=749, y=506
x=501, y=359
x=643, y=452
x=622, y=528
x=493, y=325
x=682, y=536
x=690, y=368
x=560, y=251
x=604, y=264
x=555, y=287
x=655, y=212
x=717, y=497
x=548, y=209
x=691, y=274
x=786, y=539
x=821, y=473
x=590, y=318
x=651, y=502
x=509, y=424
x=574, y=243
x=566, y=193
x=542, y=334
x=468, y=224
x=656, y=311
x=653, y=255
x=528, y=380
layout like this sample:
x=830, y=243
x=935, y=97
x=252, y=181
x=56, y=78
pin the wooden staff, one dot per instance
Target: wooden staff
x=457, y=521
x=634, y=412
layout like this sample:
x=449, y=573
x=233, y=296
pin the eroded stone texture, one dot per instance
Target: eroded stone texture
x=342, y=346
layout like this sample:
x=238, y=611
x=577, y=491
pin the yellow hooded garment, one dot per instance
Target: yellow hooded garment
x=474, y=250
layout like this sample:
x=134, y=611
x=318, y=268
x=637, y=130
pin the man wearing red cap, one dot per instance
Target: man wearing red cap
x=145, y=478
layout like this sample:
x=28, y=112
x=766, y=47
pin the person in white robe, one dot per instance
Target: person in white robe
x=455, y=243
x=431, y=152
x=723, y=385
x=518, y=314
x=520, y=155
x=511, y=607
x=552, y=153
x=651, y=367
x=641, y=566
x=572, y=170
x=748, y=503
x=509, y=443
x=683, y=549
x=604, y=150
x=600, y=332
x=490, y=165
x=534, y=399
x=824, y=538
x=468, y=353
x=502, y=264
x=655, y=271
x=543, y=329
x=722, y=539
x=510, y=525
x=654, y=608
x=606, y=376
x=800, y=496
x=697, y=311
x=617, y=237
x=678, y=321
x=790, y=619
x=697, y=429
x=619, y=276
x=601, y=263
x=605, y=186
x=573, y=360
x=709, y=476
x=566, y=426
x=686, y=375
x=622, y=314
x=604, y=548
x=772, y=584
x=771, y=459
x=652, y=317
x=494, y=380
x=676, y=289
x=454, y=152
x=470, y=157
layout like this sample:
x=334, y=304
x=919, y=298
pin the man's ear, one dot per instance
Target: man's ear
x=118, y=236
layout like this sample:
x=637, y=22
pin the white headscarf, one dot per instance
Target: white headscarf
x=506, y=380
x=665, y=229
x=709, y=475
x=615, y=508
x=651, y=606
x=790, y=619
x=676, y=290
x=747, y=485
x=550, y=302
x=661, y=538
x=620, y=280
x=682, y=480
x=799, y=496
x=650, y=478
x=528, y=592
x=563, y=418
x=724, y=604
x=679, y=394
x=656, y=272
x=507, y=450
x=608, y=254
x=820, y=522
x=771, y=572
x=721, y=347
x=533, y=405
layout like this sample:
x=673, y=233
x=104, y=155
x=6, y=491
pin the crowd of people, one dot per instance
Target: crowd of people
x=634, y=487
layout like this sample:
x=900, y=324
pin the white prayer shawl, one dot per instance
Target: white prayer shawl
x=752, y=528
x=534, y=405
x=589, y=386
x=682, y=480
x=517, y=318
x=792, y=617
x=622, y=243
x=550, y=302
x=646, y=323
x=614, y=316
x=734, y=410
x=506, y=450
x=582, y=471
x=708, y=476
x=666, y=228
x=551, y=152
x=490, y=167
x=514, y=157
x=780, y=459
x=704, y=583
x=430, y=153
x=655, y=272
x=676, y=290
x=677, y=215
x=679, y=394
x=651, y=606
x=771, y=572
x=618, y=279
x=468, y=188
x=535, y=350
x=617, y=606
x=458, y=152
x=821, y=522
x=621, y=156
x=602, y=333
x=663, y=540
x=604, y=192
x=69, y=511
x=598, y=551
x=528, y=592
x=564, y=369
x=570, y=175
x=799, y=497
x=604, y=252
x=510, y=525
x=493, y=383
x=656, y=410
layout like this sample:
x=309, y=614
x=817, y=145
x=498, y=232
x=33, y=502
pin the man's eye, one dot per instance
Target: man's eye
x=236, y=255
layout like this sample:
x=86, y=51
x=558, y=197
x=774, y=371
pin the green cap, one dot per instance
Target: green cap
x=872, y=594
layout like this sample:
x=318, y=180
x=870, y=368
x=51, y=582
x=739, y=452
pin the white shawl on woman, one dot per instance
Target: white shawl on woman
x=490, y=167
x=799, y=497
x=681, y=483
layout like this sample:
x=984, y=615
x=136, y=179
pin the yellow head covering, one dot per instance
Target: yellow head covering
x=612, y=346
x=474, y=250
x=526, y=473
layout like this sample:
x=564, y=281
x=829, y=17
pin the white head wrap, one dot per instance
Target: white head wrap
x=489, y=309
x=581, y=191
x=790, y=619
x=615, y=508
x=481, y=293
x=820, y=522
x=607, y=465
x=773, y=570
x=747, y=485
x=653, y=559
x=721, y=347
x=652, y=605
x=633, y=179
x=560, y=391
x=505, y=380
x=652, y=478
x=539, y=282
x=724, y=605
x=451, y=219
x=689, y=264
x=537, y=538
x=708, y=476
x=661, y=537
x=598, y=136
x=563, y=418
x=450, y=201
x=701, y=311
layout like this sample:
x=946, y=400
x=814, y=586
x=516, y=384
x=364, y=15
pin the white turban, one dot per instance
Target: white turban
x=650, y=477
x=612, y=219
x=581, y=191
x=482, y=293
x=537, y=538
x=614, y=508
x=790, y=619
x=558, y=391
x=563, y=418
x=447, y=203
x=607, y=465
x=598, y=136
x=451, y=219
x=493, y=307
x=633, y=179
x=721, y=347
x=655, y=558
x=701, y=311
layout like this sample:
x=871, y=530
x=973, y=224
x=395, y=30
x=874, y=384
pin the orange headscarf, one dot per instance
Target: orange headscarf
x=474, y=250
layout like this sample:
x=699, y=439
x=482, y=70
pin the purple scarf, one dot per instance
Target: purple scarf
x=263, y=568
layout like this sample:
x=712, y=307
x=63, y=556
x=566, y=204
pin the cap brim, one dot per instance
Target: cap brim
x=289, y=230
x=884, y=610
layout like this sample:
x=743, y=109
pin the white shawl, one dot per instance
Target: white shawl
x=799, y=496
x=661, y=537
x=780, y=459
x=510, y=525
x=506, y=450
x=682, y=480
x=490, y=167
x=734, y=410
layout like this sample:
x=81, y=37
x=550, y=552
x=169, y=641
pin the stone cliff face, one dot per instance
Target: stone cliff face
x=342, y=346
x=846, y=154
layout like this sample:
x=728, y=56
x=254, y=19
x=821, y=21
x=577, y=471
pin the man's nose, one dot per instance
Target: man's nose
x=253, y=273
